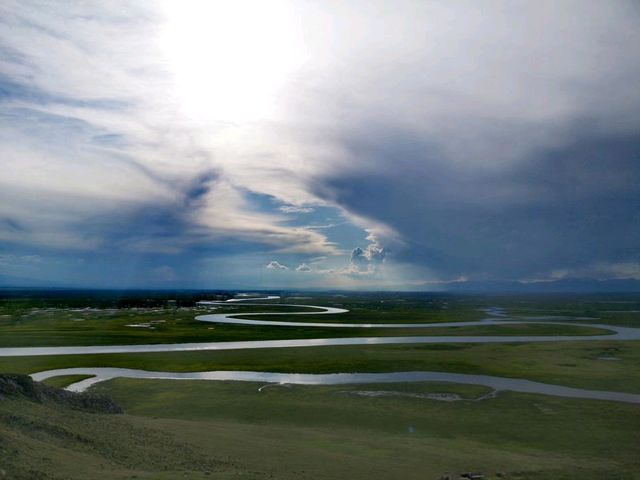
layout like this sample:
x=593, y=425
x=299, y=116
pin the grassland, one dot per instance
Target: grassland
x=611, y=309
x=62, y=381
x=230, y=430
x=578, y=364
x=24, y=323
x=49, y=441
x=527, y=432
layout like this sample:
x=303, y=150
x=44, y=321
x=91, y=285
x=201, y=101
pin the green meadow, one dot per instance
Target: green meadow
x=577, y=364
x=248, y=430
x=234, y=430
x=29, y=323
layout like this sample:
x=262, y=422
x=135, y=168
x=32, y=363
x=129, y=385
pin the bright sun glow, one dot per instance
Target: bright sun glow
x=231, y=58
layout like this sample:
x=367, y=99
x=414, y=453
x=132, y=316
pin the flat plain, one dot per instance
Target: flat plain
x=209, y=429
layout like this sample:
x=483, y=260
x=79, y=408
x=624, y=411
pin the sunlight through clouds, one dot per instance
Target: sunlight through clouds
x=230, y=60
x=486, y=143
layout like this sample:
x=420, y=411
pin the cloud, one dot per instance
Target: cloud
x=489, y=168
x=368, y=260
x=274, y=265
x=499, y=145
x=20, y=259
x=374, y=253
x=224, y=213
x=303, y=267
x=296, y=209
x=357, y=256
x=594, y=271
x=94, y=131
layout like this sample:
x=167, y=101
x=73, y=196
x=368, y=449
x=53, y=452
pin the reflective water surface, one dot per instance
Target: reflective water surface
x=497, y=383
x=498, y=317
x=617, y=333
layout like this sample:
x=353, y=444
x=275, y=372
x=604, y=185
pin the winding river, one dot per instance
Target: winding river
x=497, y=383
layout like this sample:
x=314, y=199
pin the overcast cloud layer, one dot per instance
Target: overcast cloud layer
x=319, y=144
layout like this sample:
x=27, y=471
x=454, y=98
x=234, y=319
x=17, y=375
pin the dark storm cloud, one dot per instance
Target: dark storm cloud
x=565, y=208
x=502, y=147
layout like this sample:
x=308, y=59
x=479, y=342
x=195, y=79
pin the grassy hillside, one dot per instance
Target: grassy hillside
x=53, y=441
x=231, y=430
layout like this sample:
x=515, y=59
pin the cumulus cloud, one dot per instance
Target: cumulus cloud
x=274, y=265
x=374, y=253
x=366, y=261
x=303, y=267
x=357, y=256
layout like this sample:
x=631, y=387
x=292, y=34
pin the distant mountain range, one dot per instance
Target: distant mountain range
x=568, y=285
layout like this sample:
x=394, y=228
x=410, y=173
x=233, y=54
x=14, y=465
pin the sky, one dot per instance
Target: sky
x=404, y=145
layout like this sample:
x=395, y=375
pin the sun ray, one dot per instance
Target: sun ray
x=230, y=59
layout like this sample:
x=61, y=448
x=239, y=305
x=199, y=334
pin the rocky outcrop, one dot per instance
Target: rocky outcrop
x=14, y=385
